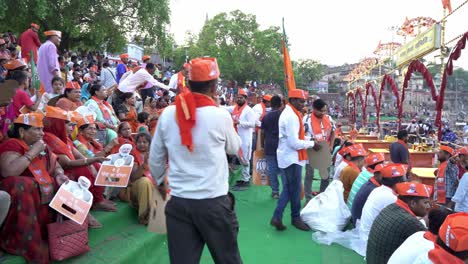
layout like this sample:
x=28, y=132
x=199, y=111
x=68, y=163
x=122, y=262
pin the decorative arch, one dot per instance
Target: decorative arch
x=387, y=79
x=454, y=55
x=350, y=95
x=364, y=108
x=419, y=67
x=357, y=95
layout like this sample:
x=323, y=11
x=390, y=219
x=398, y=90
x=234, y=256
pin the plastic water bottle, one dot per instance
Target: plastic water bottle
x=83, y=149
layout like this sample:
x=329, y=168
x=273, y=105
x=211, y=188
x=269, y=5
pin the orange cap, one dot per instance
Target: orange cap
x=72, y=85
x=394, y=170
x=345, y=150
x=413, y=189
x=93, y=68
x=146, y=57
x=297, y=93
x=14, y=64
x=462, y=151
x=53, y=33
x=357, y=150
x=448, y=149
x=379, y=167
x=242, y=92
x=84, y=120
x=374, y=158
x=36, y=26
x=75, y=116
x=454, y=232
x=203, y=69
x=30, y=119
x=57, y=112
x=124, y=56
x=267, y=97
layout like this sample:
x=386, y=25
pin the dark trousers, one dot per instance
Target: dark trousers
x=192, y=223
x=148, y=92
x=291, y=177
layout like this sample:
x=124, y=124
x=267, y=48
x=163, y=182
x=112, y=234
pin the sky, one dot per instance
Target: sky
x=330, y=31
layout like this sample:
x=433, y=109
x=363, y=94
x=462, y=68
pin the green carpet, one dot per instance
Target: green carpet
x=123, y=240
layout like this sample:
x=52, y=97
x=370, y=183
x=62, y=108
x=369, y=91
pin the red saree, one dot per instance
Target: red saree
x=24, y=231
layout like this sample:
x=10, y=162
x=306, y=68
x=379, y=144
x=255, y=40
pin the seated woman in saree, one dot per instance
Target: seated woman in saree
x=70, y=99
x=125, y=136
x=30, y=175
x=154, y=107
x=105, y=115
x=86, y=135
x=127, y=111
x=58, y=126
x=139, y=192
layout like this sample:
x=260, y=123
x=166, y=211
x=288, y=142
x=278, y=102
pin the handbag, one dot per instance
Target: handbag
x=67, y=239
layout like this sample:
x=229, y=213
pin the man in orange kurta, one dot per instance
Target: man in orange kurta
x=351, y=172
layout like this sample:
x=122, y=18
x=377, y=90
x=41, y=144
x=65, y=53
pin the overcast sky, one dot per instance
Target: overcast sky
x=331, y=31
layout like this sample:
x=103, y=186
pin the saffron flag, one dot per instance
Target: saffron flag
x=35, y=82
x=447, y=5
x=288, y=70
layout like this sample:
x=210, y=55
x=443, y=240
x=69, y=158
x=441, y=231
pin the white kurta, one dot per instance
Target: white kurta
x=245, y=129
x=339, y=169
x=200, y=174
x=411, y=249
x=289, y=142
x=258, y=110
x=378, y=199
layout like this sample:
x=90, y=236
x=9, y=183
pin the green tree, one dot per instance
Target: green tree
x=307, y=71
x=90, y=24
x=244, y=52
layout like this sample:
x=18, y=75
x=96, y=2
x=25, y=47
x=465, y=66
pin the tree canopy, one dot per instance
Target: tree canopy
x=90, y=24
x=307, y=71
x=243, y=50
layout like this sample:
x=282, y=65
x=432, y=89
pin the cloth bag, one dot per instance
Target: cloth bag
x=67, y=239
x=327, y=212
x=260, y=172
x=157, y=217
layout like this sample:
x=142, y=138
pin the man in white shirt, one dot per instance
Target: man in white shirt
x=177, y=81
x=345, y=160
x=381, y=196
x=413, y=127
x=292, y=157
x=261, y=109
x=244, y=122
x=451, y=245
x=422, y=241
x=139, y=79
x=107, y=75
x=194, y=135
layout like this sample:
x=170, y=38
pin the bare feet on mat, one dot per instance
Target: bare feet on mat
x=93, y=222
x=103, y=206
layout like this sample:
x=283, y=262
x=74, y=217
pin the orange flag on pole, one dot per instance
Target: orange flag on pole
x=288, y=70
x=447, y=5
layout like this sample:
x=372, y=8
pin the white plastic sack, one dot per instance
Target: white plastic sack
x=327, y=212
x=350, y=239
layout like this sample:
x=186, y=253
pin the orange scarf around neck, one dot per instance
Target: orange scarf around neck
x=237, y=112
x=186, y=106
x=302, y=152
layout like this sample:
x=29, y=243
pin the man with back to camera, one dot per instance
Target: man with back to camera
x=194, y=135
